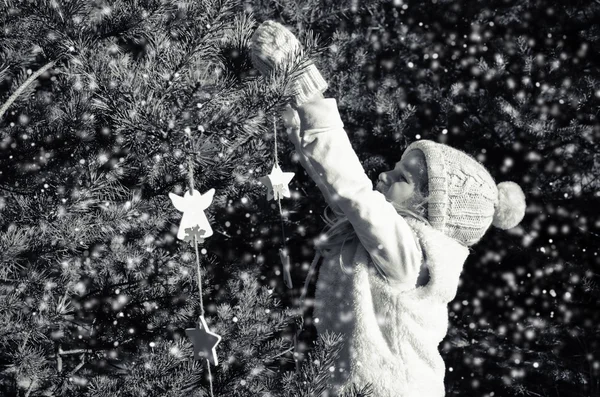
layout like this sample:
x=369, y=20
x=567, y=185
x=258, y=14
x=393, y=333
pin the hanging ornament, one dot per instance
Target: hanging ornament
x=204, y=341
x=277, y=183
x=194, y=228
x=193, y=206
x=277, y=187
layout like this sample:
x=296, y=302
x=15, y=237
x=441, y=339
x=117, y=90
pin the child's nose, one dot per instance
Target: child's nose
x=383, y=177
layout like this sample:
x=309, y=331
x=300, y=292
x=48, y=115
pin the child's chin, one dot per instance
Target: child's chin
x=383, y=193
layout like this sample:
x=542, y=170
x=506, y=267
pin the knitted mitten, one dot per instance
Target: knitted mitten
x=271, y=45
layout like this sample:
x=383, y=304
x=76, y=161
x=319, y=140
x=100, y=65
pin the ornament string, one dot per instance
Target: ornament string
x=278, y=196
x=191, y=172
x=198, y=268
x=284, y=255
x=275, y=137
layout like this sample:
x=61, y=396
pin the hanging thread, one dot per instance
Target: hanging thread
x=191, y=174
x=285, y=250
x=198, y=268
x=275, y=135
x=283, y=253
x=278, y=197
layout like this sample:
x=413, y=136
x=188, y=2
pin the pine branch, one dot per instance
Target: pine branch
x=23, y=86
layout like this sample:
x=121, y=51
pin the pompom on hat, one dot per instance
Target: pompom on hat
x=464, y=199
x=511, y=206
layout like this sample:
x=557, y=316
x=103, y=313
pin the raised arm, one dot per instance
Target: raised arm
x=383, y=232
x=292, y=122
x=327, y=155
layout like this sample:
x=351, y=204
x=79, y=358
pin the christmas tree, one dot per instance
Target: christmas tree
x=109, y=106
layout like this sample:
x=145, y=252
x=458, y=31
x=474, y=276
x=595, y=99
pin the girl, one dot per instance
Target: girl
x=393, y=255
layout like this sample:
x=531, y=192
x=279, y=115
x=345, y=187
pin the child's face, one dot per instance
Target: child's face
x=407, y=180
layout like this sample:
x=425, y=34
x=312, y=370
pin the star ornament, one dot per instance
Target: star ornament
x=194, y=219
x=204, y=342
x=277, y=183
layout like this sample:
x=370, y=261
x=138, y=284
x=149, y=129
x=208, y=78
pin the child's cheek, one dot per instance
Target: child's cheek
x=400, y=192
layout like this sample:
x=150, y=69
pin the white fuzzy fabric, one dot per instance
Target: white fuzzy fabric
x=391, y=334
x=391, y=328
x=511, y=205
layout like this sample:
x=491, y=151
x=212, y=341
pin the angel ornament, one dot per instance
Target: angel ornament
x=193, y=222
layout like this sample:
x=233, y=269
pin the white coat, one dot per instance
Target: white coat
x=391, y=327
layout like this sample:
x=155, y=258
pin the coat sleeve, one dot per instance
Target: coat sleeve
x=294, y=134
x=382, y=231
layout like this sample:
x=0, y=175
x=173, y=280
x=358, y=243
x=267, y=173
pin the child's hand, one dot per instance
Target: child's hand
x=290, y=118
x=271, y=46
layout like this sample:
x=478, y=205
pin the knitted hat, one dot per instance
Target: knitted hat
x=272, y=45
x=463, y=197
